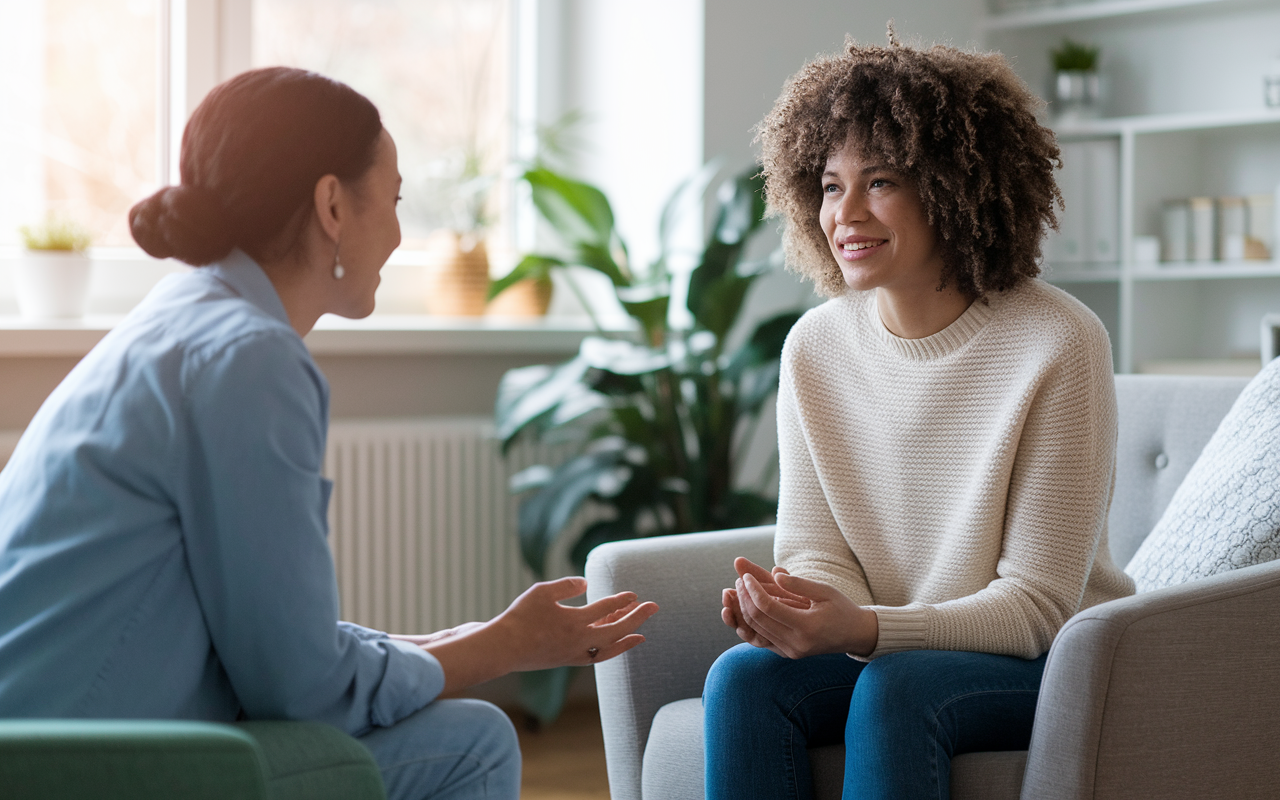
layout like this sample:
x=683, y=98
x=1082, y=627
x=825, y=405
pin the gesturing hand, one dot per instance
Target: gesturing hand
x=538, y=631
x=796, y=617
x=541, y=632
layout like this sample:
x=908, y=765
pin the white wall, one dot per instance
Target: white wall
x=1198, y=59
x=634, y=70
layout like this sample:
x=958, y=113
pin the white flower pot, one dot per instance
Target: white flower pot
x=52, y=284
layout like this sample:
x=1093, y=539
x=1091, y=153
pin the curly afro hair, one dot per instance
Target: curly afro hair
x=961, y=125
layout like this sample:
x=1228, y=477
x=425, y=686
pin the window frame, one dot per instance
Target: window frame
x=202, y=43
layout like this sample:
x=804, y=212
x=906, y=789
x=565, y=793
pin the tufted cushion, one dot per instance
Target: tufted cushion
x=1226, y=513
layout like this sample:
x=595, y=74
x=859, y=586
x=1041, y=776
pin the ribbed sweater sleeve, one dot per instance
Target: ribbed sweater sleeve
x=802, y=506
x=958, y=485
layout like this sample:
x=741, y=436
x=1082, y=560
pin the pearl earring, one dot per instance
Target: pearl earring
x=338, y=269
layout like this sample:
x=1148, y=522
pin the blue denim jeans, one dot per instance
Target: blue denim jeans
x=901, y=717
x=449, y=750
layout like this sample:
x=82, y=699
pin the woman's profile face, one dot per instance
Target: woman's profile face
x=372, y=233
x=876, y=225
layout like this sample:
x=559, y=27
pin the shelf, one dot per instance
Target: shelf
x=1207, y=270
x=1083, y=12
x=1073, y=274
x=1168, y=123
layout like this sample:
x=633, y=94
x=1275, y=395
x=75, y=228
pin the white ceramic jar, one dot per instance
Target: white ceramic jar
x=52, y=284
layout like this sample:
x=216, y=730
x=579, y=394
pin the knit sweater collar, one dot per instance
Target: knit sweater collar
x=945, y=341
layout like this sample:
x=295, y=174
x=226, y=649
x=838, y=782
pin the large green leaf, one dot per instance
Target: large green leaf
x=543, y=516
x=648, y=305
x=610, y=530
x=746, y=509
x=684, y=200
x=599, y=257
x=719, y=302
x=527, y=393
x=578, y=211
x=622, y=357
x=531, y=266
x=763, y=345
x=716, y=286
x=742, y=207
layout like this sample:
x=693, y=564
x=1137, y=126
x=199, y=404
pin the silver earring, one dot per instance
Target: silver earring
x=338, y=269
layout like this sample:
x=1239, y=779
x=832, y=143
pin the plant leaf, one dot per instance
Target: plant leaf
x=716, y=289
x=526, y=393
x=578, y=211
x=543, y=516
x=742, y=207
x=622, y=357
x=600, y=258
x=648, y=305
x=534, y=477
x=531, y=266
x=748, y=508
x=689, y=190
x=610, y=530
x=764, y=344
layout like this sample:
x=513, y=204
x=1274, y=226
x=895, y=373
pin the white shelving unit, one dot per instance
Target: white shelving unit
x=1192, y=314
x=1084, y=12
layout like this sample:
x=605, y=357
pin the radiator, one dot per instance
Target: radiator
x=422, y=526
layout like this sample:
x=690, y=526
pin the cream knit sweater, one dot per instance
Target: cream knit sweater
x=958, y=484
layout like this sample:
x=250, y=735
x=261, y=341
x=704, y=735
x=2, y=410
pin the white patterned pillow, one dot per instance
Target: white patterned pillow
x=1226, y=513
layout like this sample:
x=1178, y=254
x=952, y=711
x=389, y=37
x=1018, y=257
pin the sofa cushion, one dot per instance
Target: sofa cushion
x=1226, y=512
x=673, y=763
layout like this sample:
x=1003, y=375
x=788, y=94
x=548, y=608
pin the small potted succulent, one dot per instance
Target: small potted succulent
x=52, y=277
x=1076, y=85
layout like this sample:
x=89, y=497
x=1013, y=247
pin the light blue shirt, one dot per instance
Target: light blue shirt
x=163, y=530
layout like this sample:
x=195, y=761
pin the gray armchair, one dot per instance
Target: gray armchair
x=1169, y=694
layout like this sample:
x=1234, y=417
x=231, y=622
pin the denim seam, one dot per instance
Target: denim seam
x=790, y=748
x=938, y=724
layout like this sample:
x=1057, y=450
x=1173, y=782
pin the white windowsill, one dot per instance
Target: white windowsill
x=380, y=334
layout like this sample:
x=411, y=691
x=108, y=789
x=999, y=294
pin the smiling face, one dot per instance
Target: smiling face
x=370, y=231
x=876, y=226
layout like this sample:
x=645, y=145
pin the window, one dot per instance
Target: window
x=99, y=91
x=438, y=70
x=80, y=132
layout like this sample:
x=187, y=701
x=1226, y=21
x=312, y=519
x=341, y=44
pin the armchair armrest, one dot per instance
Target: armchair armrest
x=1170, y=694
x=51, y=759
x=684, y=576
x=133, y=760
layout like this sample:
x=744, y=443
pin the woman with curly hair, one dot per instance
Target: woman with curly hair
x=947, y=432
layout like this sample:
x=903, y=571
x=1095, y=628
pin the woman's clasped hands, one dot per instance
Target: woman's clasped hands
x=795, y=617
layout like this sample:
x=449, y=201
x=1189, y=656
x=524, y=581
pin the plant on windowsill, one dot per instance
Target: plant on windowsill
x=658, y=420
x=52, y=277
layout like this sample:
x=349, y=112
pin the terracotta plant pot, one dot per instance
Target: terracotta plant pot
x=527, y=298
x=457, y=275
x=52, y=284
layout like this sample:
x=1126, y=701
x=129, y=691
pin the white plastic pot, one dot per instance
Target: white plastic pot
x=52, y=284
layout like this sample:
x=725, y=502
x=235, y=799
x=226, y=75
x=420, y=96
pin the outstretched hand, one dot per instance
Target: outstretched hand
x=538, y=631
x=546, y=633
x=793, y=616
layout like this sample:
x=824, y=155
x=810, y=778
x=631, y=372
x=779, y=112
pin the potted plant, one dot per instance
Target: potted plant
x=526, y=290
x=658, y=419
x=52, y=276
x=1076, y=85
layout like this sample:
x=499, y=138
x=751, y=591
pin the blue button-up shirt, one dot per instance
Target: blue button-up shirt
x=163, y=530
